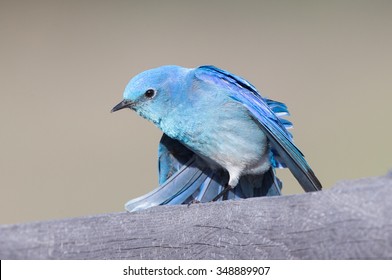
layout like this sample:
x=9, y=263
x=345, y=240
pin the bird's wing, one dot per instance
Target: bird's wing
x=176, y=190
x=181, y=178
x=280, y=139
x=172, y=155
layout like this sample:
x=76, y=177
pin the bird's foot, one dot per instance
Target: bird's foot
x=223, y=193
x=193, y=201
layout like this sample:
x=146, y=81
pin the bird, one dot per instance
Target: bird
x=221, y=138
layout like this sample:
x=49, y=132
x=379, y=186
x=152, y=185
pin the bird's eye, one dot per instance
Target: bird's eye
x=149, y=93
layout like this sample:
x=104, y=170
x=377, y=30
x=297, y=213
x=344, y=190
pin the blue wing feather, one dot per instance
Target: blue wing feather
x=280, y=139
x=279, y=108
x=172, y=156
x=178, y=188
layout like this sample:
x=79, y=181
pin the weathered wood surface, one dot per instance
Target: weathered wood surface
x=353, y=220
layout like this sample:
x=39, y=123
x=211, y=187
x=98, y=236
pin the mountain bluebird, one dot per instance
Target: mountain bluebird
x=222, y=139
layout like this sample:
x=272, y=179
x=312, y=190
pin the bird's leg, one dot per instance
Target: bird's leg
x=224, y=192
x=193, y=201
x=225, y=196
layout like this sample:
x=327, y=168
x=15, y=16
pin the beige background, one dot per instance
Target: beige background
x=64, y=64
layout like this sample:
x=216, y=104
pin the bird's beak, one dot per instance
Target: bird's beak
x=123, y=104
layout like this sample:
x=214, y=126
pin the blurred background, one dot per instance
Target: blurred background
x=64, y=65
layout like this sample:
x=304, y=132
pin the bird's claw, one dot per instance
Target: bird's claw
x=193, y=201
x=223, y=193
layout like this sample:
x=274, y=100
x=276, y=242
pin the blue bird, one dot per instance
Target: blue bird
x=222, y=139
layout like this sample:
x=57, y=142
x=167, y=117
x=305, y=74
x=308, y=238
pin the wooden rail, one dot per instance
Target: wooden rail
x=353, y=220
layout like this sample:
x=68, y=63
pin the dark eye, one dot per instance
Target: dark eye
x=149, y=93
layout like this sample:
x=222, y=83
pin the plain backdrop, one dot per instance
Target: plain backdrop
x=64, y=65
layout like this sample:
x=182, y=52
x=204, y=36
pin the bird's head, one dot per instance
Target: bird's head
x=152, y=93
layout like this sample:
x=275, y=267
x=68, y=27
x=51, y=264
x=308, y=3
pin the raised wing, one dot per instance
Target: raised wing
x=266, y=112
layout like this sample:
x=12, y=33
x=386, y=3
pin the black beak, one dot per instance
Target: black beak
x=123, y=104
